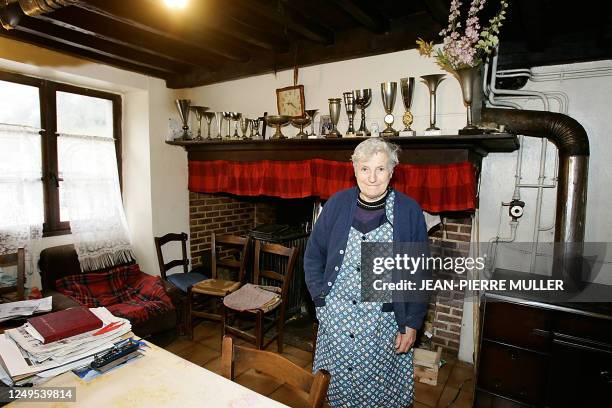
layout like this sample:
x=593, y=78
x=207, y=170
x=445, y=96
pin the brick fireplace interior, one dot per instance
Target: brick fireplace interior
x=222, y=213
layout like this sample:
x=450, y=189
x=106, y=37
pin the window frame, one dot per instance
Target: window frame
x=47, y=91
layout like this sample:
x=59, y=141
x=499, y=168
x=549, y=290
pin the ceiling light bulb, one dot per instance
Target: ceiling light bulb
x=176, y=4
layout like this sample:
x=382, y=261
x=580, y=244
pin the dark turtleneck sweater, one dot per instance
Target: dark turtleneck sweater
x=370, y=215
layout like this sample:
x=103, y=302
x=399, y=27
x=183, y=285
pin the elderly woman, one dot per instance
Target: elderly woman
x=366, y=346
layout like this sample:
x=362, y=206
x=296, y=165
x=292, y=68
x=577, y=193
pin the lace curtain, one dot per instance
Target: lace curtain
x=91, y=199
x=21, y=192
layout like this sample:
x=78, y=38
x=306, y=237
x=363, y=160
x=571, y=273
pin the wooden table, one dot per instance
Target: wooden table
x=158, y=379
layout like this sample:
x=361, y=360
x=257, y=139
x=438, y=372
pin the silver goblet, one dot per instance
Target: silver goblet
x=432, y=81
x=236, y=116
x=334, y=114
x=244, y=127
x=183, y=108
x=209, y=116
x=301, y=122
x=349, y=107
x=219, y=118
x=311, y=114
x=389, y=92
x=198, y=111
x=363, y=97
x=228, y=117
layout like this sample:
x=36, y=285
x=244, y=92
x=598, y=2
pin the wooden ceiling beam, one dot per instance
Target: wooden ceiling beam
x=123, y=12
x=290, y=19
x=82, y=53
x=352, y=43
x=364, y=17
x=91, y=24
x=100, y=46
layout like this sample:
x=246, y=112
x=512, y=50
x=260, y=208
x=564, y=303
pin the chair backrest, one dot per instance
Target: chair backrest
x=161, y=241
x=289, y=254
x=235, y=243
x=276, y=366
x=15, y=259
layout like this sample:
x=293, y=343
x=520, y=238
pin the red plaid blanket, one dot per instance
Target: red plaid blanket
x=124, y=290
x=437, y=188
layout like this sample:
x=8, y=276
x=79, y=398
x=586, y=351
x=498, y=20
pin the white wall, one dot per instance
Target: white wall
x=154, y=174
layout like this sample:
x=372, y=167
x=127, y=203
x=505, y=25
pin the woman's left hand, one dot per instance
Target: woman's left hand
x=403, y=341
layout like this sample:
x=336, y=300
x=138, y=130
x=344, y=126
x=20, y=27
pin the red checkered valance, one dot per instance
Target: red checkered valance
x=437, y=188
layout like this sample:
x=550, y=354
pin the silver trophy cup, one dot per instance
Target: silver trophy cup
x=432, y=81
x=199, y=111
x=335, y=104
x=363, y=97
x=407, y=88
x=389, y=92
x=183, y=108
x=349, y=106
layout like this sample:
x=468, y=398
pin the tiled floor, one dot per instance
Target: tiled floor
x=454, y=390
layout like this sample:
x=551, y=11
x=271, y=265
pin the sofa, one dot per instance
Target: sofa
x=61, y=261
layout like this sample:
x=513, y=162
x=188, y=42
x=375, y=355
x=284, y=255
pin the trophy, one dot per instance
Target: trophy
x=209, y=116
x=277, y=121
x=301, y=122
x=199, y=114
x=219, y=117
x=255, y=125
x=349, y=106
x=388, y=91
x=432, y=81
x=228, y=117
x=236, y=116
x=244, y=127
x=363, y=97
x=407, y=88
x=183, y=107
x=334, y=113
x=311, y=114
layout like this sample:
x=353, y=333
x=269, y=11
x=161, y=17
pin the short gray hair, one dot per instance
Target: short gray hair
x=368, y=148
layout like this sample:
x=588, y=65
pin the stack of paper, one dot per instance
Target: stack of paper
x=22, y=308
x=24, y=356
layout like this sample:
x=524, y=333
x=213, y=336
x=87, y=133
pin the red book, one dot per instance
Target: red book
x=65, y=323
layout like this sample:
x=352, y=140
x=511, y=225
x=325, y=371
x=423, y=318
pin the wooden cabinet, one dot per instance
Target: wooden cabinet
x=543, y=355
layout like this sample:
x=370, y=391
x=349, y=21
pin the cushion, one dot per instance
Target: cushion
x=184, y=280
x=124, y=290
x=252, y=297
x=215, y=287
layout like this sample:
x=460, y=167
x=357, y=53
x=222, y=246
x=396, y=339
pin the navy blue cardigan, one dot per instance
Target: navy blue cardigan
x=327, y=242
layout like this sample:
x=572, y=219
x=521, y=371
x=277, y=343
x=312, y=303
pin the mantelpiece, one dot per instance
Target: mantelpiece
x=415, y=150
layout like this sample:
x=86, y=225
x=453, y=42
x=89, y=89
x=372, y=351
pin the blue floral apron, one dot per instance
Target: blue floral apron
x=356, y=341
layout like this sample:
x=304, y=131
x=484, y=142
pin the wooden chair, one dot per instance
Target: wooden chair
x=181, y=281
x=263, y=323
x=229, y=252
x=276, y=366
x=15, y=259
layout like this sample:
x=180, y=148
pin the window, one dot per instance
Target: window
x=59, y=109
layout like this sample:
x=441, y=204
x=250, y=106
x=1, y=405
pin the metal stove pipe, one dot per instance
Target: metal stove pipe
x=573, y=143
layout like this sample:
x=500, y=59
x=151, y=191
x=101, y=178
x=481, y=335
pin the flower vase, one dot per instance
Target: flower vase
x=467, y=79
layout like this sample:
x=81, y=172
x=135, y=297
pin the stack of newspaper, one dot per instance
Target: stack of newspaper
x=23, y=308
x=25, y=359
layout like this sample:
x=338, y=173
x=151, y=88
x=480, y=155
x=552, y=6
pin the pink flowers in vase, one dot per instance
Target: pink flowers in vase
x=465, y=48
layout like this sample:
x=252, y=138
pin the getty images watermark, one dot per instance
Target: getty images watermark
x=412, y=272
